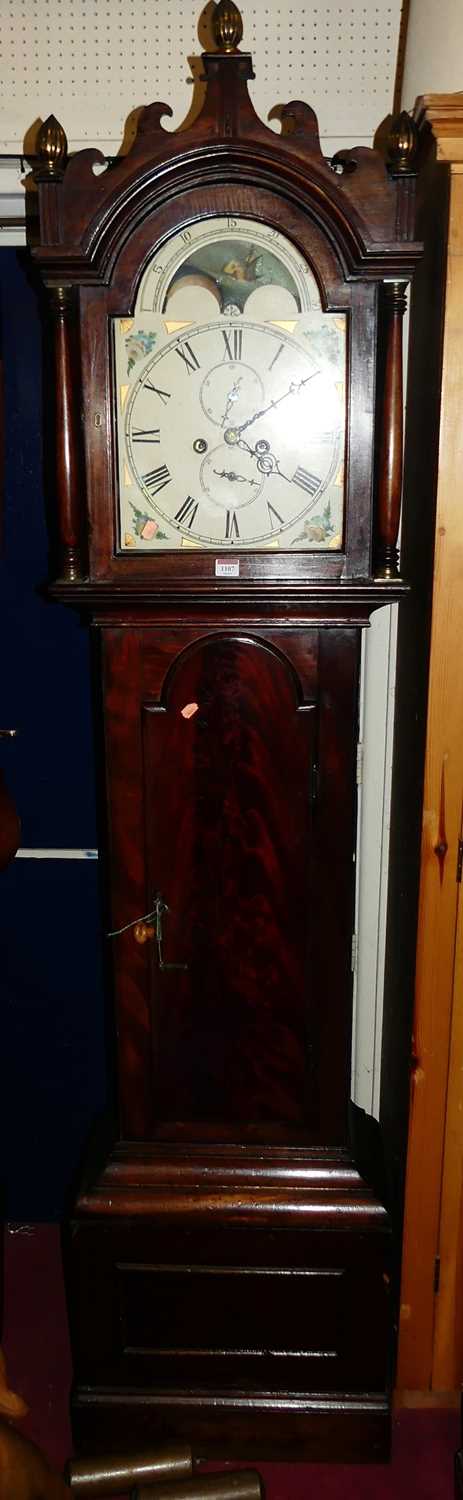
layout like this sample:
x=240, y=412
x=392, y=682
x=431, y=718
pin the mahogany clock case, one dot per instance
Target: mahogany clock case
x=228, y=1266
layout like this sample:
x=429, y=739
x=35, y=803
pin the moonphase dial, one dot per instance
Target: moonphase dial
x=226, y=263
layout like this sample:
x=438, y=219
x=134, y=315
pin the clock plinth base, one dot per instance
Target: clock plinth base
x=312, y=1429
x=237, y=1298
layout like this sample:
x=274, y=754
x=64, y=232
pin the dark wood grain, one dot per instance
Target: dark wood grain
x=68, y=466
x=242, y=818
x=277, y=600
x=391, y=446
x=232, y=1251
x=356, y=1428
x=228, y=844
x=170, y=1308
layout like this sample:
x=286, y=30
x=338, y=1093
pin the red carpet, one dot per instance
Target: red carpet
x=38, y=1363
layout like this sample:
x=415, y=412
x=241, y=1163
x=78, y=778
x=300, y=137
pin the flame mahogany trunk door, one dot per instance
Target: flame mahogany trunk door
x=228, y=842
x=246, y=842
x=227, y=311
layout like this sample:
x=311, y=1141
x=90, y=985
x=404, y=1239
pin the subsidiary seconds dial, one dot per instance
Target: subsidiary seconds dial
x=233, y=438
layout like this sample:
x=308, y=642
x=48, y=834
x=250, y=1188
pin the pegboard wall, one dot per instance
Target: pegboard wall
x=91, y=62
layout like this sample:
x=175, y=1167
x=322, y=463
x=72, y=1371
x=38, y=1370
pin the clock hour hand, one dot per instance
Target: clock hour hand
x=296, y=385
x=236, y=478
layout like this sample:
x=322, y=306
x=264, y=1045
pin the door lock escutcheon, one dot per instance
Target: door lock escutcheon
x=160, y=908
x=148, y=927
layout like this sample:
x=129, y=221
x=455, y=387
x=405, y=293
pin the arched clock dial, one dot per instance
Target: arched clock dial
x=230, y=441
x=231, y=260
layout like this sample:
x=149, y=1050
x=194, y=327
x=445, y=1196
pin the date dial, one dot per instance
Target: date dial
x=224, y=474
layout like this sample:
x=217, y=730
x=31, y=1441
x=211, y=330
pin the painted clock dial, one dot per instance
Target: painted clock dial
x=231, y=434
x=231, y=265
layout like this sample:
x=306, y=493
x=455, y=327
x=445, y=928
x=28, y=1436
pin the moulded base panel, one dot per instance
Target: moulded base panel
x=314, y=1429
x=238, y=1298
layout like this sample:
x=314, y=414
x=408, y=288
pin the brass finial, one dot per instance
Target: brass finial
x=227, y=26
x=402, y=142
x=52, y=146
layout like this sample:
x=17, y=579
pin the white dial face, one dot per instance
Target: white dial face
x=231, y=433
x=228, y=265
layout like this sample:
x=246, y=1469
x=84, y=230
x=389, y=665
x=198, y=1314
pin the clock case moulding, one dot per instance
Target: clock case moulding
x=284, y=1234
x=96, y=234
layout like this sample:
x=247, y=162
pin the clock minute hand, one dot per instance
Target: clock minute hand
x=294, y=387
x=232, y=396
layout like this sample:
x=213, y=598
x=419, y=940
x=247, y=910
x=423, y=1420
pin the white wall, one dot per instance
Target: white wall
x=91, y=62
x=434, y=49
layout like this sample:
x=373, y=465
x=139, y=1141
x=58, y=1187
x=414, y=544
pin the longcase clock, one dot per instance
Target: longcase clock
x=227, y=310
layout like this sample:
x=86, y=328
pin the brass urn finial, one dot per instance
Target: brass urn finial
x=227, y=26
x=402, y=143
x=52, y=146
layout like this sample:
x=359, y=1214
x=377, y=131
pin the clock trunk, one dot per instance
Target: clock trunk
x=231, y=1247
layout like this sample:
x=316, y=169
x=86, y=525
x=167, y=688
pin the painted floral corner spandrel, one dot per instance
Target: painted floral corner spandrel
x=144, y=527
x=320, y=530
x=138, y=344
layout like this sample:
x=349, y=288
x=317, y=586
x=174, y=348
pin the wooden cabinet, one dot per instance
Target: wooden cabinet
x=431, y=1338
